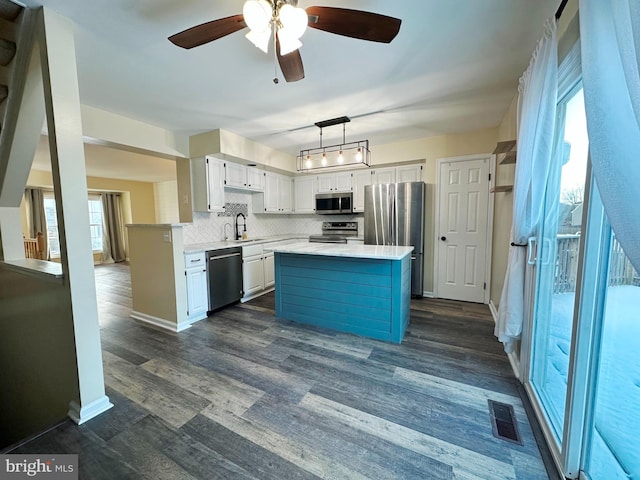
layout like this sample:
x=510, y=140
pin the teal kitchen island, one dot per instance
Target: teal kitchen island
x=360, y=289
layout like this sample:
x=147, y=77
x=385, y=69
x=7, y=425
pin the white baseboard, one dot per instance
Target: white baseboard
x=515, y=363
x=494, y=311
x=428, y=294
x=160, y=322
x=256, y=295
x=83, y=414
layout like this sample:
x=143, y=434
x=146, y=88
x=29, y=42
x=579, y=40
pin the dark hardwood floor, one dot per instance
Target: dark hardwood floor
x=243, y=395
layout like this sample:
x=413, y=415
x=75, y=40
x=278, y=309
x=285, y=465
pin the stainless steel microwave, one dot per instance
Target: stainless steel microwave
x=334, y=203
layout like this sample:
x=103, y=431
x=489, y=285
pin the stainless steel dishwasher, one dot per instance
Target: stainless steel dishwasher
x=224, y=269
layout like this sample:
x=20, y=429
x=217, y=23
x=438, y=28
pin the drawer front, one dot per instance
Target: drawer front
x=251, y=250
x=194, y=260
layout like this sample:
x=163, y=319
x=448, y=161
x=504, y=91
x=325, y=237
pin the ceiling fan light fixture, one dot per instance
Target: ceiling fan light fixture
x=293, y=19
x=260, y=39
x=257, y=14
x=288, y=43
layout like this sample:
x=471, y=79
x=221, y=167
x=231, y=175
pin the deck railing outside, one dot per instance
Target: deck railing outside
x=621, y=272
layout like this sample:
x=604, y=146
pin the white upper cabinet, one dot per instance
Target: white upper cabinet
x=285, y=190
x=304, y=188
x=409, y=173
x=235, y=175
x=207, y=184
x=271, y=199
x=384, y=175
x=343, y=182
x=359, y=180
x=334, y=182
x=255, y=179
x=325, y=183
x=241, y=177
x=277, y=197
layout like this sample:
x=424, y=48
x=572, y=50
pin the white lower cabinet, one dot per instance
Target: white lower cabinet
x=257, y=270
x=252, y=275
x=197, y=291
x=269, y=270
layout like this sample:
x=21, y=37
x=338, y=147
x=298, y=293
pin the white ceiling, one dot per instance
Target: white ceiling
x=453, y=67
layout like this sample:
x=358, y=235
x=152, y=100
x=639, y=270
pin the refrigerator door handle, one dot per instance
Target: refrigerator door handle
x=393, y=220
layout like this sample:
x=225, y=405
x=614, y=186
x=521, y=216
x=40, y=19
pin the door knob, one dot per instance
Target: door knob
x=444, y=239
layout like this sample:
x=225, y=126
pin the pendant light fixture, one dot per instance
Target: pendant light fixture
x=352, y=154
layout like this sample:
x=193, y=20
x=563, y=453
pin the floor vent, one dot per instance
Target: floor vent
x=503, y=421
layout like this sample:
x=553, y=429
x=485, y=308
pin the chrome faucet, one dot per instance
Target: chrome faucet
x=244, y=224
x=226, y=237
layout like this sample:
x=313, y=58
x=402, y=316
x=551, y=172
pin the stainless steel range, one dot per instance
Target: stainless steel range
x=335, y=232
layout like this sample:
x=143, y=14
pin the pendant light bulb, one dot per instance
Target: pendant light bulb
x=340, y=158
x=324, y=159
x=308, y=162
x=359, y=155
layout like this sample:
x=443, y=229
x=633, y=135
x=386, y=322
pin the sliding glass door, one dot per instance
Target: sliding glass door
x=612, y=451
x=558, y=244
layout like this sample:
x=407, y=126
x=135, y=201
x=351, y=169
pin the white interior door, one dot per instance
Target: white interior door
x=462, y=229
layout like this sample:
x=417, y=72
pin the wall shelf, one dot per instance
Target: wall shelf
x=501, y=188
x=506, y=152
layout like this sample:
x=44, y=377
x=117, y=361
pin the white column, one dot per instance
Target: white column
x=62, y=101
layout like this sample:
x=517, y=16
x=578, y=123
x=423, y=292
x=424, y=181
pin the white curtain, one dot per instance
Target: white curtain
x=538, y=91
x=610, y=43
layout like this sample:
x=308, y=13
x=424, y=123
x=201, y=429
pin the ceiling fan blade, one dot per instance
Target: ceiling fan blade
x=208, y=32
x=354, y=23
x=290, y=64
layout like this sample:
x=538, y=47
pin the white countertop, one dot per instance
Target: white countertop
x=204, y=247
x=380, y=252
x=155, y=225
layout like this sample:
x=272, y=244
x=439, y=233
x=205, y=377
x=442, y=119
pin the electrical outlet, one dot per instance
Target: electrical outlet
x=166, y=236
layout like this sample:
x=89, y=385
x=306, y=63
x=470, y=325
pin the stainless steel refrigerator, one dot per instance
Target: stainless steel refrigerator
x=394, y=215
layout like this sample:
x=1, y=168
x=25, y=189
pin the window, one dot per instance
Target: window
x=52, y=224
x=95, y=223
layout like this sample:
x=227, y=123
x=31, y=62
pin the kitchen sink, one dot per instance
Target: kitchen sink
x=249, y=240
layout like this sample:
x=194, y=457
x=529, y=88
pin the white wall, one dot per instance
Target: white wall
x=166, y=201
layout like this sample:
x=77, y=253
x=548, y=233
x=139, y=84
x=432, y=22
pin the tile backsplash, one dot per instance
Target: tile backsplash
x=209, y=227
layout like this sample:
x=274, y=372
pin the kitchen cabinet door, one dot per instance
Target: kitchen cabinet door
x=326, y=183
x=304, y=189
x=196, y=280
x=271, y=186
x=409, y=173
x=197, y=293
x=342, y=182
x=384, y=175
x=269, y=270
x=255, y=179
x=359, y=181
x=215, y=176
x=252, y=275
x=235, y=175
x=207, y=184
x=284, y=194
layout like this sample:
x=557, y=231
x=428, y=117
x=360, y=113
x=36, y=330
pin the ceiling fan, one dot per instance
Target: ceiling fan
x=287, y=22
